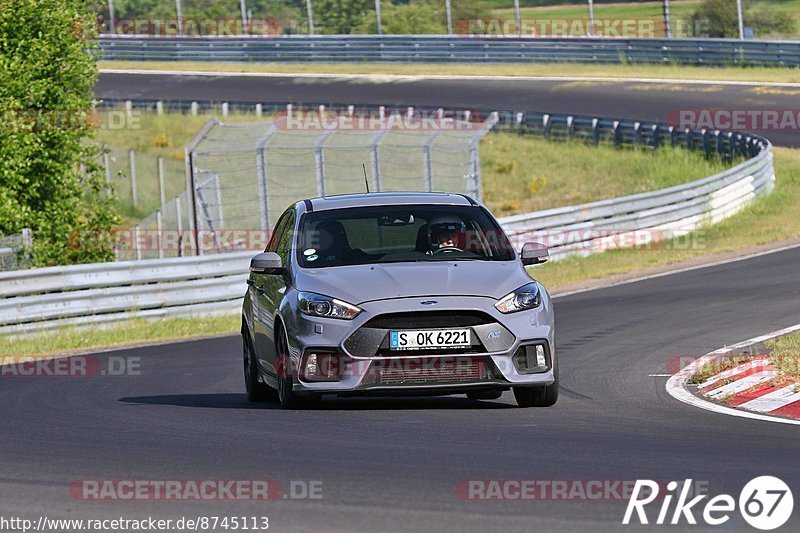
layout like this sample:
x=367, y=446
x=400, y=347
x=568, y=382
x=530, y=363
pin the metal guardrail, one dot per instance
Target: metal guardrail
x=642, y=219
x=453, y=49
x=48, y=298
x=52, y=297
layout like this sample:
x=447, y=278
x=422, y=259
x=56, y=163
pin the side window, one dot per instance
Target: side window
x=272, y=245
x=286, y=238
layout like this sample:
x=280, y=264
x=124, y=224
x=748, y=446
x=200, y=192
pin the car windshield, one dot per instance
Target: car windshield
x=393, y=234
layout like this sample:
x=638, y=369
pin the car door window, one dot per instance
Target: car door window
x=272, y=245
x=286, y=238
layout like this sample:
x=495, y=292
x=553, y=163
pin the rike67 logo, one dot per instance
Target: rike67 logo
x=765, y=503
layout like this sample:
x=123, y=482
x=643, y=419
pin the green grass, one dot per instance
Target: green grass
x=785, y=354
x=523, y=174
x=677, y=72
x=716, y=366
x=133, y=332
x=769, y=219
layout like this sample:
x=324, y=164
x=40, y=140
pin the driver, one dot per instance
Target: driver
x=446, y=233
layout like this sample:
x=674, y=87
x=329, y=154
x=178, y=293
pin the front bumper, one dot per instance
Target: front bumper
x=365, y=365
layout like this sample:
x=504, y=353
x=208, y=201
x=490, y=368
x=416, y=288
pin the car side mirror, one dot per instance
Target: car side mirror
x=266, y=263
x=534, y=253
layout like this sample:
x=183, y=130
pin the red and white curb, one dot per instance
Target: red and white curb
x=755, y=386
x=754, y=389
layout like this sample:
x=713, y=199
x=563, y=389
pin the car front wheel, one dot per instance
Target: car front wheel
x=283, y=367
x=538, y=396
x=256, y=390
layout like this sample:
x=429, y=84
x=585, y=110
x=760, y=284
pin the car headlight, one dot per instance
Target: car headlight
x=526, y=297
x=318, y=305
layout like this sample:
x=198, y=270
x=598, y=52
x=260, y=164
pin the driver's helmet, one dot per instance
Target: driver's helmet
x=446, y=231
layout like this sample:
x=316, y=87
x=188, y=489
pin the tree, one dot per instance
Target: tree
x=49, y=175
x=417, y=17
x=422, y=16
x=719, y=18
x=716, y=18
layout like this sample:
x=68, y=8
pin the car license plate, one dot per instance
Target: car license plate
x=422, y=339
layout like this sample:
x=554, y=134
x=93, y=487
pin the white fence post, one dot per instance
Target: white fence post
x=310, y=14
x=159, y=236
x=107, y=166
x=179, y=214
x=161, y=191
x=134, y=195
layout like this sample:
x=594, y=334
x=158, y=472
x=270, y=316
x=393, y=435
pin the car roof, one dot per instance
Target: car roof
x=344, y=201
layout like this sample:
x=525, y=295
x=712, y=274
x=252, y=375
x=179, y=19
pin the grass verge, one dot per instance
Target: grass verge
x=717, y=366
x=133, y=332
x=522, y=174
x=677, y=72
x=785, y=354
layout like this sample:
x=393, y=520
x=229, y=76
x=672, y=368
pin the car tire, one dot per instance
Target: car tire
x=283, y=368
x=484, y=394
x=538, y=396
x=256, y=390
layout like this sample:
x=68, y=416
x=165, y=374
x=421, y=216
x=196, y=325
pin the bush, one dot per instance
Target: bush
x=765, y=21
x=422, y=17
x=50, y=179
x=719, y=18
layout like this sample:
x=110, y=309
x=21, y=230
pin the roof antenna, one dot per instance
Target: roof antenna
x=366, y=181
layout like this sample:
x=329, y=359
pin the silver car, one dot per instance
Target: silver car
x=396, y=294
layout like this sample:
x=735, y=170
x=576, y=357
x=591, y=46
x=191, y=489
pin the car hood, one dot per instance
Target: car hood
x=365, y=283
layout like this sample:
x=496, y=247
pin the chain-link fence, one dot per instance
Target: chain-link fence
x=244, y=174
x=254, y=19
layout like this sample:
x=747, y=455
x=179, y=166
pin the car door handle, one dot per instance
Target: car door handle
x=260, y=291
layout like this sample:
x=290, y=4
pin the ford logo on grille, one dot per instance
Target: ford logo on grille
x=429, y=302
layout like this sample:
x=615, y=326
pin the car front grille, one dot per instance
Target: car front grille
x=430, y=371
x=430, y=320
